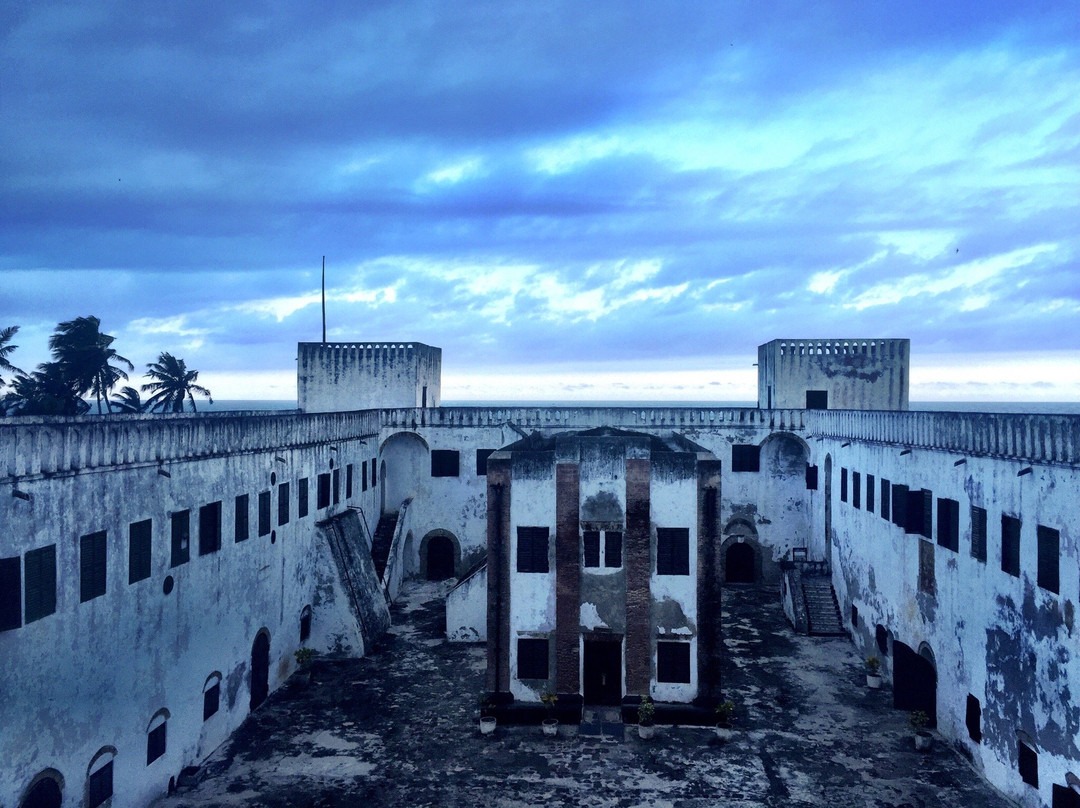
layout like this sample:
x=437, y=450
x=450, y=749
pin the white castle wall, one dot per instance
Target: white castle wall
x=345, y=376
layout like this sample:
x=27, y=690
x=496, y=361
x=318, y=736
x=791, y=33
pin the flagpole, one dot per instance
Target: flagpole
x=324, y=299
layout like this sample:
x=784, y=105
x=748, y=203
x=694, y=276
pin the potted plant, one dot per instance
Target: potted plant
x=724, y=712
x=551, y=725
x=646, y=718
x=303, y=660
x=487, y=722
x=873, y=672
x=923, y=739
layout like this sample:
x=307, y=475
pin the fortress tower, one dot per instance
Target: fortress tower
x=347, y=376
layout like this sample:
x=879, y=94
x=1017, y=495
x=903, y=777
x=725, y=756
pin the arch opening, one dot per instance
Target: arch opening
x=914, y=680
x=46, y=791
x=739, y=564
x=260, y=668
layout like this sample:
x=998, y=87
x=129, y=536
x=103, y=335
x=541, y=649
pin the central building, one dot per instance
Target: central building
x=602, y=571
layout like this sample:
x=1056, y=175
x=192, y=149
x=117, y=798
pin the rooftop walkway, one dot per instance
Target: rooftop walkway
x=399, y=728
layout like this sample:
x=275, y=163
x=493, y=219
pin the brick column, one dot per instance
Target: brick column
x=567, y=579
x=709, y=650
x=637, y=558
x=498, y=555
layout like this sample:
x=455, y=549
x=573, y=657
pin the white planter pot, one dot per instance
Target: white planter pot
x=873, y=680
x=923, y=741
x=723, y=732
x=551, y=726
x=487, y=726
x=645, y=733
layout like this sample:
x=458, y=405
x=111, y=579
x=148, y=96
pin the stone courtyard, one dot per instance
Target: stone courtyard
x=399, y=728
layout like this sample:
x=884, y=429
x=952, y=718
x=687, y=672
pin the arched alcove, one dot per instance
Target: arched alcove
x=260, y=668
x=46, y=790
x=440, y=555
x=405, y=467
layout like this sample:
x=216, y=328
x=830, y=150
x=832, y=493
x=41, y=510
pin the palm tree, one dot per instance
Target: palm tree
x=46, y=391
x=84, y=356
x=127, y=401
x=173, y=382
x=6, y=350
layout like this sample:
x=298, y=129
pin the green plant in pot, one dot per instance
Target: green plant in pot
x=725, y=716
x=487, y=721
x=551, y=724
x=304, y=656
x=873, y=672
x=646, y=715
x=920, y=722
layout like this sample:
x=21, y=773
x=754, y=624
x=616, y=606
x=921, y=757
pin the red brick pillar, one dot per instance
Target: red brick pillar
x=567, y=579
x=638, y=562
x=498, y=554
x=708, y=581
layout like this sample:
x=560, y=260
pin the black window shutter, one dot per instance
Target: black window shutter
x=612, y=548
x=39, y=574
x=591, y=540
x=10, y=593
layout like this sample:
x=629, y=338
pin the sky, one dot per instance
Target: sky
x=602, y=200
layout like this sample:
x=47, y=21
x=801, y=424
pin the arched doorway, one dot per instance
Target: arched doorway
x=739, y=564
x=46, y=792
x=440, y=558
x=914, y=681
x=260, y=668
x=404, y=470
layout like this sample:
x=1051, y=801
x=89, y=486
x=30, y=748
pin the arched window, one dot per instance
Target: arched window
x=305, y=624
x=155, y=735
x=211, y=695
x=99, y=777
x=45, y=791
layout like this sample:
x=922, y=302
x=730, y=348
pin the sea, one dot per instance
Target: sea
x=1041, y=407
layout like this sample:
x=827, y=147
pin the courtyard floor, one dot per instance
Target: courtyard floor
x=399, y=728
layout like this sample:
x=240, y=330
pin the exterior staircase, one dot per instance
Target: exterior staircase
x=822, y=610
x=380, y=542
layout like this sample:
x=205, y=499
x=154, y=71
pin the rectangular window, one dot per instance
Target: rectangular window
x=973, y=719
x=919, y=506
x=886, y=500
x=283, y=504
x=139, y=550
x=532, y=549
x=869, y=493
x=39, y=579
x=482, y=456
x=181, y=538
x=926, y=567
x=335, y=478
x=92, y=566
x=100, y=786
x=811, y=478
x=1027, y=761
x=240, y=523
x=211, y=700
x=899, y=505
x=155, y=744
x=1049, y=556
x=264, y=513
x=817, y=399
x=948, y=524
x=856, y=490
x=843, y=485
x=302, y=498
x=323, y=500
x=673, y=662
x=745, y=457
x=210, y=528
x=10, y=593
x=612, y=548
x=1010, y=545
x=978, y=533
x=672, y=551
x=444, y=463
x=591, y=542
x=363, y=476
x=532, y=659
x=374, y=477
x=926, y=514
x=348, y=481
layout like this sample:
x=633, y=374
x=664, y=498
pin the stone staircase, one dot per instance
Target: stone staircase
x=822, y=610
x=380, y=542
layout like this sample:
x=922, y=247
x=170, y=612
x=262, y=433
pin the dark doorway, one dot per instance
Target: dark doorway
x=44, y=794
x=440, y=558
x=603, y=672
x=260, y=669
x=739, y=564
x=914, y=682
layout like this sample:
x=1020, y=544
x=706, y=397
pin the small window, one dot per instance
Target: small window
x=843, y=485
x=181, y=538
x=10, y=593
x=817, y=399
x=283, y=504
x=672, y=551
x=532, y=659
x=323, y=500
x=591, y=547
x=886, y=500
x=974, y=719
x=1010, y=545
x=1027, y=763
x=811, y=477
x=211, y=696
x=139, y=550
x=348, y=480
x=241, y=521
x=881, y=636
x=482, y=456
x=1049, y=557
x=444, y=463
x=854, y=616
x=612, y=548
x=92, y=566
x=899, y=505
x=673, y=662
x=978, y=533
x=948, y=524
x=335, y=477
x=210, y=528
x=99, y=785
x=363, y=476
x=869, y=493
x=305, y=624
x=856, y=490
x=39, y=578
x=532, y=549
x=264, y=513
x=926, y=567
x=302, y=498
x=155, y=738
x=745, y=457
x=374, y=477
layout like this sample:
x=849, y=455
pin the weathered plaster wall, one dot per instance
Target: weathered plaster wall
x=339, y=377
x=466, y=609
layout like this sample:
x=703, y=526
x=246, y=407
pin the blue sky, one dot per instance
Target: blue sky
x=574, y=200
